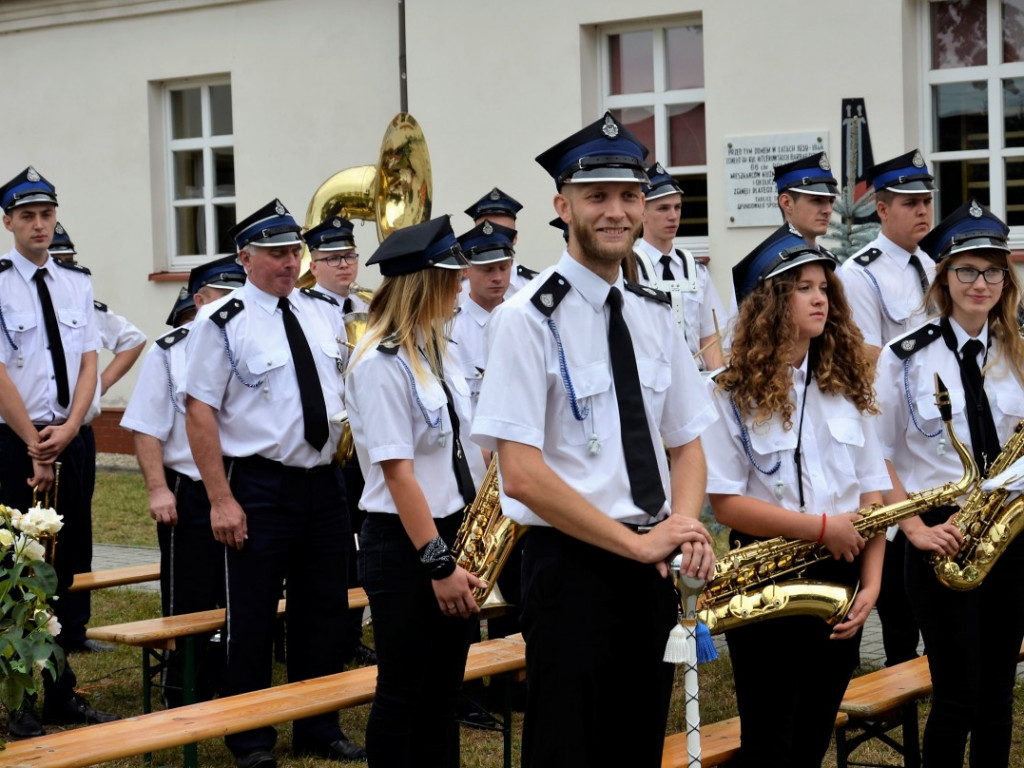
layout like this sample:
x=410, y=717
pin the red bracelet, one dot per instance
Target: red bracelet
x=821, y=536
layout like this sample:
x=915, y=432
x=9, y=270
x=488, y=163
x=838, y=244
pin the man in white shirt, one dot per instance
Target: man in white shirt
x=807, y=189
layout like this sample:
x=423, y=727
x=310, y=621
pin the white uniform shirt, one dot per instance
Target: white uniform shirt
x=516, y=282
x=23, y=342
x=524, y=398
x=840, y=453
x=469, y=333
x=698, y=305
x=886, y=296
x=265, y=419
x=395, y=418
x=157, y=405
x=922, y=457
x=358, y=305
x=117, y=335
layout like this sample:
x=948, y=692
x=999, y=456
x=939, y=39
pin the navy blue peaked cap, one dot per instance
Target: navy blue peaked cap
x=970, y=227
x=782, y=251
x=334, y=234
x=27, y=187
x=270, y=226
x=410, y=249
x=488, y=242
x=661, y=183
x=495, y=203
x=811, y=175
x=605, y=150
x=907, y=174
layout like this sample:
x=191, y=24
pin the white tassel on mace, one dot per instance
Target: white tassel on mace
x=681, y=648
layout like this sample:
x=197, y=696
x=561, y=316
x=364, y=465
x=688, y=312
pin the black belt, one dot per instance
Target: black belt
x=645, y=528
x=276, y=466
x=6, y=429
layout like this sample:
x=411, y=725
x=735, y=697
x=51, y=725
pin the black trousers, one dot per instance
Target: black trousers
x=74, y=547
x=421, y=654
x=354, y=485
x=191, y=579
x=790, y=679
x=973, y=639
x=596, y=625
x=900, y=634
x=298, y=529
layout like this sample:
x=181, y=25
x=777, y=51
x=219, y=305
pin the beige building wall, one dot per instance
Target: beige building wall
x=315, y=82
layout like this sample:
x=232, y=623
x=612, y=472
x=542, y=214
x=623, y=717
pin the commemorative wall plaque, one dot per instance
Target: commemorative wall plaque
x=750, y=197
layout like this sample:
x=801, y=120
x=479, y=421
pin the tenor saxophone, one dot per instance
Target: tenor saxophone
x=486, y=537
x=987, y=523
x=763, y=580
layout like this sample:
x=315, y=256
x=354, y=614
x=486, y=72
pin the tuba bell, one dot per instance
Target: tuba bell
x=394, y=193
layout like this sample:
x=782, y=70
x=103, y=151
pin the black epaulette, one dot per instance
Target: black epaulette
x=168, y=340
x=917, y=340
x=5, y=264
x=649, y=293
x=715, y=374
x=526, y=272
x=389, y=345
x=72, y=266
x=313, y=293
x=550, y=294
x=227, y=311
x=868, y=256
x=99, y=306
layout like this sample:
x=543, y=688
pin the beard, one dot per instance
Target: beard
x=593, y=248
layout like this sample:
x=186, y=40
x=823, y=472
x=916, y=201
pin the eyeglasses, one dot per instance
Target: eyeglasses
x=335, y=259
x=993, y=275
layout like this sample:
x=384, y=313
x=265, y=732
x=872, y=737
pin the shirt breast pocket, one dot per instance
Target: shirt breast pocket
x=435, y=410
x=72, y=323
x=589, y=382
x=655, y=378
x=270, y=367
x=930, y=420
x=1008, y=408
x=18, y=323
x=335, y=357
x=847, y=438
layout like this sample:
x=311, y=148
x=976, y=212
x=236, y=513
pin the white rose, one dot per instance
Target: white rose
x=53, y=626
x=48, y=520
x=27, y=523
x=6, y=538
x=28, y=549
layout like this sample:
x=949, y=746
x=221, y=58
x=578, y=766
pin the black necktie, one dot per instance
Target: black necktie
x=915, y=262
x=984, y=438
x=314, y=411
x=347, y=306
x=462, y=476
x=666, y=268
x=641, y=461
x=60, y=364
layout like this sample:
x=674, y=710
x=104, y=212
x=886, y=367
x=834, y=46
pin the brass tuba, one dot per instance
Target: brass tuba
x=762, y=580
x=486, y=537
x=988, y=525
x=394, y=193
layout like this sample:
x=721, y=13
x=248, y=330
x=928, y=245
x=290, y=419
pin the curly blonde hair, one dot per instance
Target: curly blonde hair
x=758, y=375
x=1002, y=318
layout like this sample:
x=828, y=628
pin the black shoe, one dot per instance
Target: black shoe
x=22, y=723
x=93, y=646
x=258, y=759
x=341, y=750
x=364, y=657
x=75, y=710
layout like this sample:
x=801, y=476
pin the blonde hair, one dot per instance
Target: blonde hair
x=1002, y=318
x=415, y=309
x=758, y=374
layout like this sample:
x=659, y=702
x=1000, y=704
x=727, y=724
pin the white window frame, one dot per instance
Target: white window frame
x=660, y=99
x=993, y=75
x=206, y=143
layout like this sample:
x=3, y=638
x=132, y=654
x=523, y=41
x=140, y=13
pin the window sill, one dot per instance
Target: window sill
x=168, y=277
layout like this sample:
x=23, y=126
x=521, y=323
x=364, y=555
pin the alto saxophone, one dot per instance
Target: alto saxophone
x=988, y=525
x=762, y=580
x=486, y=537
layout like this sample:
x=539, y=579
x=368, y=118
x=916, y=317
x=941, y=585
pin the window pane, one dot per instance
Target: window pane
x=224, y=216
x=958, y=34
x=694, y=221
x=961, y=116
x=1013, y=30
x=687, y=144
x=1013, y=112
x=631, y=59
x=639, y=120
x=685, y=53
x=190, y=229
x=188, y=175
x=220, y=110
x=224, y=172
x=186, y=114
x=1015, y=191
x=958, y=181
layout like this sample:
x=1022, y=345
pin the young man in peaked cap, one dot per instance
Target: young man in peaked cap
x=807, y=190
x=502, y=209
x=586, y=377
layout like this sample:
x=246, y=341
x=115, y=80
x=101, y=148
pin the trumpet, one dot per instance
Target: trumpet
x=48, y=499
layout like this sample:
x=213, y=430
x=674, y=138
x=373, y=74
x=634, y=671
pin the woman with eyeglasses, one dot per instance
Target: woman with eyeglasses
x=972, y=638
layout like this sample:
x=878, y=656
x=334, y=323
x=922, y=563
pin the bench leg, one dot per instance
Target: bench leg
x=842, y=750
x=911, y=737
x=188, y=696
x=506, y=718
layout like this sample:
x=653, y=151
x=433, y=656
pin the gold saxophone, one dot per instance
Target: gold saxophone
x=762, y=580
x=486, y=537
x=988, y=525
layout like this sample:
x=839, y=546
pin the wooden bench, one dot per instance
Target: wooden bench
x=719, y=743
x=881, y=701
x=214, y=719
x=115, y=577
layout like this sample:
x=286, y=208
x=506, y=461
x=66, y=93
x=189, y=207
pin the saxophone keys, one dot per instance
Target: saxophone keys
x=741, y=606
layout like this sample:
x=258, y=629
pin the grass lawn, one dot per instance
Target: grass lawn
x=112, y=680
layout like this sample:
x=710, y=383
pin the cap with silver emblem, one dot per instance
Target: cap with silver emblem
x=784, y=250
x=811, y=175
x=970, y=227
x=410, y=249
x=604, y=151
x=906, y=174
x=268, y=227
x=27, y=187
